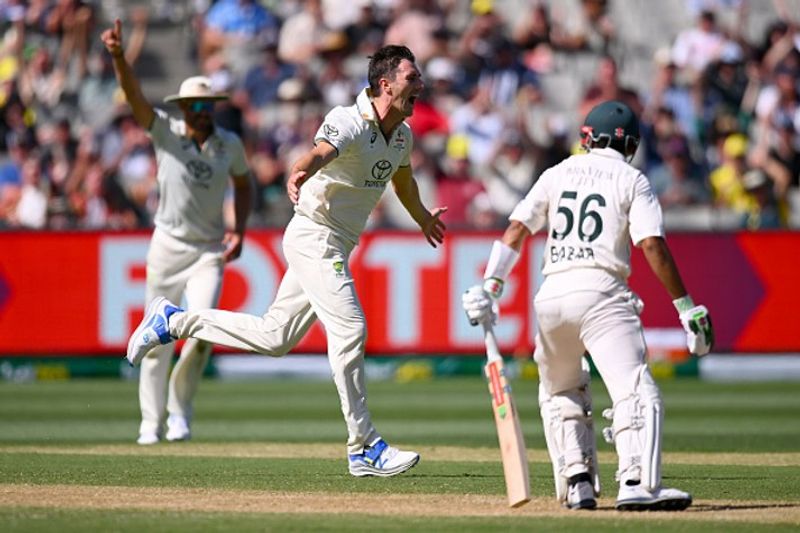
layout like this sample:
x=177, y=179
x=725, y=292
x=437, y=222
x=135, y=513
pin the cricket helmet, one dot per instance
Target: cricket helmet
x=611, y=124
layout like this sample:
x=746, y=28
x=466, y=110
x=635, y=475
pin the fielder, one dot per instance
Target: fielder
x=592, y=205
x=189, y=247
x=358, y=151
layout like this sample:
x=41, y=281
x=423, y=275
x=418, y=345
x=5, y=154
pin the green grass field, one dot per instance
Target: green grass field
x=269, y=455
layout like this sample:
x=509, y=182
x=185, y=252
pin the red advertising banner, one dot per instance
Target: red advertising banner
x=83, y=293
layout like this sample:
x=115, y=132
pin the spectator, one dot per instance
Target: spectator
x=767, y=213
x=31, y=211
x=480, y=123
x=589, y=28
x=531, y=34
x=476, y=46
x=721, y=88
x=669, y=92
x=696, y=47
x=782, y=163
x=302, y=33
x=239, y=29
x=259, y=90
x=509, y=174
x=677, y=180
x=457, y=186
x=608, y=87
x=726, y=180
x=97, y=91
x=21, y=146
x=506, y=75
x=778, y=104
x=414, y=24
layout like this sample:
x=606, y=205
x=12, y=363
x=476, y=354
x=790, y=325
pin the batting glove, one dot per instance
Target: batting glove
x=699, y=331
x=479, y=306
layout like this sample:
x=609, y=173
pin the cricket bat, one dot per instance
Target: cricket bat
x=509, y=432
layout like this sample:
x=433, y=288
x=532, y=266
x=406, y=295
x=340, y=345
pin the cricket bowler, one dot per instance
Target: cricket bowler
x=358, y=151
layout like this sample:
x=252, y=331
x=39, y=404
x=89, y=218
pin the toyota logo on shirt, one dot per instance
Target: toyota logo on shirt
x=381, y=170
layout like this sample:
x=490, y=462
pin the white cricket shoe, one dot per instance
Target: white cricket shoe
x=178, y=428
x=382, y=460
x=152, y=330
x=580, y=496
x=638, y=498
x=148, y=438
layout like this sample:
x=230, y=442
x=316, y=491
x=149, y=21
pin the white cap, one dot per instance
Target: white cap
x=196, y=88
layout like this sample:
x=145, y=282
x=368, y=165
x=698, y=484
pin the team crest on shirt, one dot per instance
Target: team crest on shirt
x=200, y=171
x=330, y=131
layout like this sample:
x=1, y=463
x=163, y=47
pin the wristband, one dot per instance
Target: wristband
x=501, y=260
x=684, y=303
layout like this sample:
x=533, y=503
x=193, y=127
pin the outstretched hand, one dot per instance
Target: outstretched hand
x=112, y=39
x=434, y=228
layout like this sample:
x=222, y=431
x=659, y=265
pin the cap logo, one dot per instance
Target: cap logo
x=619, y=133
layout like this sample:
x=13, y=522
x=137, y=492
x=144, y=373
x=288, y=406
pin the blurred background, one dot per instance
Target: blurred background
x=716, y=84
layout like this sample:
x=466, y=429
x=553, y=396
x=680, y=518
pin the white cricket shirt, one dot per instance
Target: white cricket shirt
x=342, y=194
x=593, y=205
x=192, y=181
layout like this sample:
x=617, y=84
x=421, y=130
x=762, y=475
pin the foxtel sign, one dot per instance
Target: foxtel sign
x=83, y=293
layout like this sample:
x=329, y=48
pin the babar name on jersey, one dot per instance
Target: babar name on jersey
x=565, y=252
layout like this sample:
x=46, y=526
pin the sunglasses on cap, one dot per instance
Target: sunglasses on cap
x=201, y=105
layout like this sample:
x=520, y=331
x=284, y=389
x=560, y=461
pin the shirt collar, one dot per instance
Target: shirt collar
x=608, y=152
x=364, y=105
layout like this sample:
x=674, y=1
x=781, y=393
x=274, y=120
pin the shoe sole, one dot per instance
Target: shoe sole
x=363, y=470
x=138, y=331
x=181, y=438
x=673, y=504
x=586, y=505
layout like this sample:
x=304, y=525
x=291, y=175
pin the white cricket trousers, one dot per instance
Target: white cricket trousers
x=177, y=269
x=605, y=323
x=317, y=283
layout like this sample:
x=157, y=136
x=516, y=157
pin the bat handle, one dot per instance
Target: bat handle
x=492, y=350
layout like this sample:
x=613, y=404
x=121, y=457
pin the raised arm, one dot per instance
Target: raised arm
x=142, y=110
x=405, y=186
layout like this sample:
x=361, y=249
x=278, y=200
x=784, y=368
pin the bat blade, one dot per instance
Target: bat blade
x=509, y=432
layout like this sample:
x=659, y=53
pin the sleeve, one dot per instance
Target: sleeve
x=160, y=129
x=532, y=210
x=645, y=216
x=238, y=165
x=338, y=129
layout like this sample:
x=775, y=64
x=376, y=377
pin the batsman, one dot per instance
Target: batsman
x=593, y=206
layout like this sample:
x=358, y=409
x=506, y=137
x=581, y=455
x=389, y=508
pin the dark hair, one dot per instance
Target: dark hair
x=384, y=62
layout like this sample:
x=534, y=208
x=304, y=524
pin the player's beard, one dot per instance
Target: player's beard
x=202, y=123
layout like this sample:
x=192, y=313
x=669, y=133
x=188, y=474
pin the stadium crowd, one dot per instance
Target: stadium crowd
x=720, y=115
